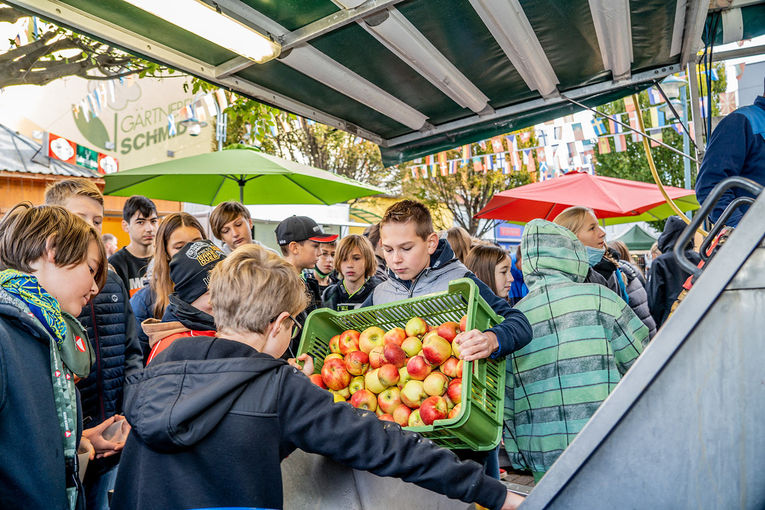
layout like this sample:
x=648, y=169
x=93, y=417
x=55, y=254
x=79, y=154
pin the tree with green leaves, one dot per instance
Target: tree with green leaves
x=57, y=52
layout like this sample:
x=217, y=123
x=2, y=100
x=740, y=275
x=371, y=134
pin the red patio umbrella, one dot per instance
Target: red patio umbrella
x=614, y=200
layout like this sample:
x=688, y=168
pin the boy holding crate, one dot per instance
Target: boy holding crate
x=421, y=264
x=213, y=417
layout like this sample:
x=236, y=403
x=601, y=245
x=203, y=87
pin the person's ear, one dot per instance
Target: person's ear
x=50, y=250
x=125, y=225
x=432, y=242
x=275, y=345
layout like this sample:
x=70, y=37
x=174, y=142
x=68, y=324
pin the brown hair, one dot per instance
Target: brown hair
x=482, y=261
x=226, y=212
x=251, y=287
x=161, y=284
x=372, y=232
x=460, y=241
x=26, y=230
x=573, y=218
x=410, y=210
x=59, y=192
x=346, y=247
x=621, y=249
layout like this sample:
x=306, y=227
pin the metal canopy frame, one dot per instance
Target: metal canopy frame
x=505, y=20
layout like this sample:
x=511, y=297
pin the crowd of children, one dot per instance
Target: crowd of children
x=201, y=360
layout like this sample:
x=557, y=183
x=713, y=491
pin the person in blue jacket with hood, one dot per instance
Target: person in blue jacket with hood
x=736, y=147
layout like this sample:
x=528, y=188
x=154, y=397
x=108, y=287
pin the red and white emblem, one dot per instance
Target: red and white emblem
x=80, y=344
x=68, y=433
x=57, y=373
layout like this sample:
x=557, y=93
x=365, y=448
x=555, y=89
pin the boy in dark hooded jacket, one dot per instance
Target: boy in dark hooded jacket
x=213, y=417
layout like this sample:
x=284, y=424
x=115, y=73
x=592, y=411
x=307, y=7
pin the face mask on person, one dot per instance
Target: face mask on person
x=594, y=255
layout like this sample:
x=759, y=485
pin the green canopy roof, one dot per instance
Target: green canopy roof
x=419, y=76
x=637, y=239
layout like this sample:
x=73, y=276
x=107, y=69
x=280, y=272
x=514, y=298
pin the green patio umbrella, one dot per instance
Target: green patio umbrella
x=637, y=239
x=238, y=174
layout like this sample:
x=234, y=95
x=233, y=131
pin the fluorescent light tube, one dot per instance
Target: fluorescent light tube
x=614, y=31
x=512, y=30
x=402, y=38
x=204, y=21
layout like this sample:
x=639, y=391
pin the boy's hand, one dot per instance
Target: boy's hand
x=512, y=501
x=103, y=447
x=475, y=344
x=307, y=363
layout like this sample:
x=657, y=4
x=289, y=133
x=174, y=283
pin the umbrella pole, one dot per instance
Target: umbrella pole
x=241, y=192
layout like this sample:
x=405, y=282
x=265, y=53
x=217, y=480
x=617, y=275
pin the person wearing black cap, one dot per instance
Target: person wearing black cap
x=299, y=238
x=189, y=311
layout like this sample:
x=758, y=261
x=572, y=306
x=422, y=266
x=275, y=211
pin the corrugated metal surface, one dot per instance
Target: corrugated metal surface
x=21, y=154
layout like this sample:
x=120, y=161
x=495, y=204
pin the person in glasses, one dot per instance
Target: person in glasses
x=213, y=417
x=188, y=313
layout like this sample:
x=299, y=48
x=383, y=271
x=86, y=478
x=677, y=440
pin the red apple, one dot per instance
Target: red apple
x=356, y=362
x=377, y=357
x=357, y=383
x=448, y=330
x=394, y=355
x=435, y=349
x=412, y=394
x=371, y=338
x=455, y=411
x=394, y=336
x=401, y=415
x=349, y=341
x=416, y=326
x=451, y=366
x=415, y=420
x=334, y=374
x=411, y=346
x=386, y=417
x=334, y=344
x=455, y=390
x=418, y=368
x=372, y=383
x=389, y=399
x=432, y=409
x=388, y=375
x=435, y=383
x=364, y=399
x=463, y=323
x=316, y=379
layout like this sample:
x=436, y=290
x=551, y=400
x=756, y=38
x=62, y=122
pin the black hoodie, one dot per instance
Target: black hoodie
x=213, y=418
x=666, y=279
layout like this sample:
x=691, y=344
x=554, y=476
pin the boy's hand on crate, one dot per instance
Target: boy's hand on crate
x=475, y=344
x=304, y=363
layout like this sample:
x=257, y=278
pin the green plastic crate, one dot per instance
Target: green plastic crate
x=479, y=424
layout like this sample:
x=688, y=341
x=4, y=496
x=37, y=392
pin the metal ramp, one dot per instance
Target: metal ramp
x=685, y=428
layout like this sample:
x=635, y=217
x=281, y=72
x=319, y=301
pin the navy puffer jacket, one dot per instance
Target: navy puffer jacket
x=638, y=296
x=117, y=350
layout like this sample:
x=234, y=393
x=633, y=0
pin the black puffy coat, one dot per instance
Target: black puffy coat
x=666, y=279
x=638, y=296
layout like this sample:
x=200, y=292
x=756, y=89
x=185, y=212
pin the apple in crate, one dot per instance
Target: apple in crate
x=334, y=355
x=455, y=411
x=456, y=350
x=463, y=323
x=356, y=362
x=316, y=379
x=372, y=383
x=436, y=349
x=345, y=393
x=415, y=420
x=435, y=383
x=394, y=336
x=418, y=368
x=416, y=326
x=401, y=415
x=364, y=399
x=357, y=383
x=403, y=376
x=376, y=357
x=412, y=394
x=452, y=367
x=386, y=417
x=334, y=344
x=337, y=398
x=448, y=330
x=455, y=390
x=388, y=375
x=389, y=399
x=432, y=409
x=394, y=355
x=411, y=346
x=349, y=341
x=334, y=374
x=371, y=338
